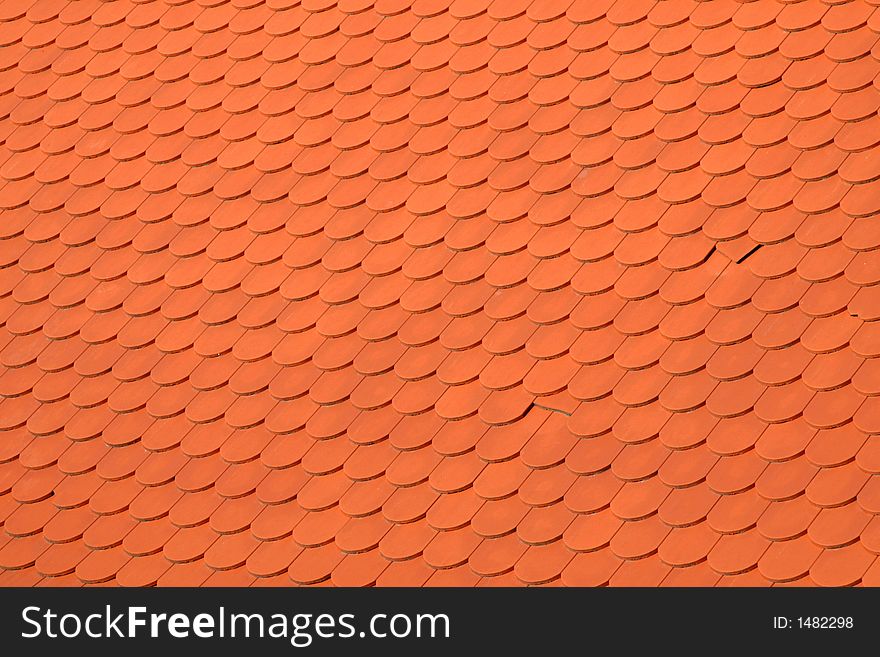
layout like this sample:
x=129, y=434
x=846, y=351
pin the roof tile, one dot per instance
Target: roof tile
x=539, y=294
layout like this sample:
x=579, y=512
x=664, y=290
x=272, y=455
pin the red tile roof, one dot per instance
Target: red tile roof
x=459, y=292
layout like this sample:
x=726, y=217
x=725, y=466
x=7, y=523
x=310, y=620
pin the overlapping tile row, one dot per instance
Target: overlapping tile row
x=439, y=293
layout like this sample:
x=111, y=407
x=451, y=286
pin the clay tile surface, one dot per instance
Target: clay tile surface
x=308, y=293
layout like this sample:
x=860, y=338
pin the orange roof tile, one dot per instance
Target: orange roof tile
x=456, y=293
